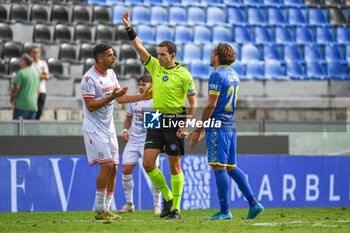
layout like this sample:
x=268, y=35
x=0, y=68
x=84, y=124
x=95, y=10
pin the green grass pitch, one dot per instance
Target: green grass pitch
x=272, y=220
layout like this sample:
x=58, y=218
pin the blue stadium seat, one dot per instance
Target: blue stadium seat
x=294, y=3
x=256, y=70
x=140, y=14
x=236, y=16
x=191, y=52
x=262, y=35
x=249, y=52
x=199, y=69
x=206, y=51
x=283, y=35
x=163, y=33
x=237, y=49
x=159, y=15
x=337, y=70
x=295, y=70
x=270, y=52
x=201, y=35
x=242, y=35
x=190, y=2
x=153, y=2
x=333, y=53
x=347, y=54
x=296, y=17
x=182, y=35
x=195, y=16
x=276, y=17
x=221, y=34
x=133, y=2
x=256, y=16
x=171, y=2
x=118, y=12
x=292, y=52
x=215, y=15
x=177, y=15
x=303, y=35
x=324, y=35
x=315, y=70
x=273, y=3
x=146, y=34
x=312, y=53
x=317, y=17
x=234, y=3
x=343, y=35
x=239, y=68
x=252, y=2
x=274, y=70
x=211, y=2
x=113, y=2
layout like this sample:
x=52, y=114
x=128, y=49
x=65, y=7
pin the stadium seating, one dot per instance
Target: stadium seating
x=19, y=12
x=3, y=13
x=292, y=52
x=177, y=15
x=312, y=52
x=274, y=70
x=105, y=33
x=337, y=17
x=118, y=12
x=315, y=70
x=303, y=35
x=41, y=33
x=182, y=35
x=196, y=16
x=133, y=68
x=62, y=33
x=140, y=14
x=242, y=35
x=317, y=17
x=249, y=53
x=85, y=51
x=215, y=15
x=127, y=51
x=158, y=15
x=337, y=70
x=343, y=35
x=101, y=14
x=145, y=33
x=206, y=51
x=333, y=53
x=256, y=70
x=67, y=52
x=60, y=14
x=11, y=49
x=39, y=13
x=256, y=16
x=83, y=33
x=283, y=35
x=236, y=16
x=5, y=32
x=199, y=69
x=296, y=17
x=81, y=14
x=270, y=52
x=221, y=34
x=324, y=35
x=190, y=53
x=295, y=70
x=202, y=35
x=163, y=33
x=276, y=17
x=239, y=68
x=262, y=35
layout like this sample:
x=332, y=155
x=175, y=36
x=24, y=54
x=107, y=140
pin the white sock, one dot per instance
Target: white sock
x=156, y=194
x=108, y=201
x=128, y=185
x=100, y=199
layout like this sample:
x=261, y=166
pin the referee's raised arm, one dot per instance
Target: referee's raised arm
x=134, y=38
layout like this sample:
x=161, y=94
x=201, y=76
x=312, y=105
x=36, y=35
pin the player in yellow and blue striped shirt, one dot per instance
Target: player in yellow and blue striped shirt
x=221, y=141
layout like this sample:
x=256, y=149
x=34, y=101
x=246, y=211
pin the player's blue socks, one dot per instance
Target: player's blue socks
x=222, y=183
x=240, y=178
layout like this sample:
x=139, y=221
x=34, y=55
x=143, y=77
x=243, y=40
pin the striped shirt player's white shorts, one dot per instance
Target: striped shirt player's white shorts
x=101, y=148
x=132, y=153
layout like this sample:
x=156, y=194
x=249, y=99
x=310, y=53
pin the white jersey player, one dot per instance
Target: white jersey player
x=135, y=145
x=100, y=89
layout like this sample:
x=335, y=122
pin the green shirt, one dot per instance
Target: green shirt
x=28, y=82
x=170, y=86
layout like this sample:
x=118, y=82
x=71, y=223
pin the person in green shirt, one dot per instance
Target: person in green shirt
x=171, y=85
x=25, y=91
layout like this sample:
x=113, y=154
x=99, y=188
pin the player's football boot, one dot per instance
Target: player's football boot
x=128, y=207
x=220, y=216
x=173, y=215
x=106, y=215
x=255, y=211
x=156, y=209
x=167, y=205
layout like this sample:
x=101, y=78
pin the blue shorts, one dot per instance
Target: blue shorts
x=221, y=147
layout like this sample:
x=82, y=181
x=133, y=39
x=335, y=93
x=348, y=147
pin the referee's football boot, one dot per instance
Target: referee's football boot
x=174, y=215
x=167, y=205
x=128, y=207
x=220, y=216
x=106, y=215
x=255, y=211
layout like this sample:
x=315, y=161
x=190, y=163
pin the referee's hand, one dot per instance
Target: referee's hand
x=126, y=19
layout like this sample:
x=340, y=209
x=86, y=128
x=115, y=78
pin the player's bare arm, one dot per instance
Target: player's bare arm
x=127, y=124
x=136, y=42
x=93, y=105
x=45, y=76
x=135, y=98
x=182, y=132
x=196, y=134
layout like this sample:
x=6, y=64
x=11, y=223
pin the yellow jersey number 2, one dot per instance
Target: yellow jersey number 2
x=231, y=92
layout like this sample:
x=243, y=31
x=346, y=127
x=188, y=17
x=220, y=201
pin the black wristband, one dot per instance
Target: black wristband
x=131, y=34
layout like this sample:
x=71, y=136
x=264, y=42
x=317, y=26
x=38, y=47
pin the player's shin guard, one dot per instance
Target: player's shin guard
x=241, y=179
x=177, y=185
x=222, y=184
x=159, y=180
x=128, y=186
x=100, y=199
x=156, y=195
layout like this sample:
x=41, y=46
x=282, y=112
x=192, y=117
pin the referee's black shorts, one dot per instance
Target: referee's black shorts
x=165, y=138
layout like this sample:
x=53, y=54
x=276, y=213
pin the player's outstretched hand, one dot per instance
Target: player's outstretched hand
x=148, y=93
x=119, y=92
x=196, y=136
x=125, y=136
x=182, y=132
x=126, y=19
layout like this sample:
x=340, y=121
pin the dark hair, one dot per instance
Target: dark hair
x=35, y=47
x=226, y=54
x=145, y=78
x=27, y=59
x=170, y=45
x=100, y=48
